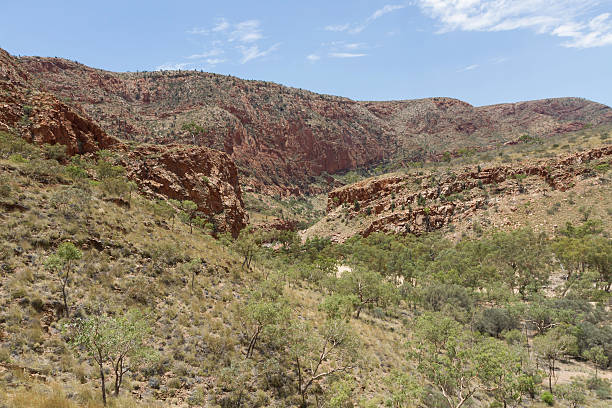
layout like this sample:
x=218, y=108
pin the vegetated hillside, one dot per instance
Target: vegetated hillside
x=283, y=138
x=171, y=317
x=491, y=195
x=199, y=174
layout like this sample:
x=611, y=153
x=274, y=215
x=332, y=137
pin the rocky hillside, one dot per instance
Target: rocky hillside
x=421, y=202
x=205, y=176
x=282, y=138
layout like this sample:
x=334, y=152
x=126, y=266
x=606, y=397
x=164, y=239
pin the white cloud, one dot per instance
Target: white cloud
x=345, y=55
x=469, y=68
x=570, y=19
x=253, y=52
x=207, y=54
x=246, y=31
x=197, y=30
x=385, y=10
x=214, y=61
x=499, y=60
x=240, y=42
x=338, y=28
x=172, y=66
x=354, y=46
x=597, y=33
x=313, y=57
x=356, y=28
x=222, y=25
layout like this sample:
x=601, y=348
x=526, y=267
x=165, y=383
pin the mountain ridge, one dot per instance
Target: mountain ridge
x=284, y=139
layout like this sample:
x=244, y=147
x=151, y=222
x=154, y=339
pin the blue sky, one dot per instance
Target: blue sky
x=480, y=51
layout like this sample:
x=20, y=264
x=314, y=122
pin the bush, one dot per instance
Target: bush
x=548, y=398
x=436, y=297
x=495, y=321
x=17, y=158
x=601, y=387
x=76, y=172
x=55, y=152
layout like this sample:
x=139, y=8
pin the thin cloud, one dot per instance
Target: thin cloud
x=200, y=31
x=346, y=55
x=214, y=61
x=354, y=46
x=239, y=42
x=173, y=66
x=575, y=20
x=313, y=57
x=207, y=54
x=357, y=28
x=222, y=25
x=469, y=68
x=246, y=32
x=337, y=28
x=253, y=52
x=385, y=10
x=499, y=60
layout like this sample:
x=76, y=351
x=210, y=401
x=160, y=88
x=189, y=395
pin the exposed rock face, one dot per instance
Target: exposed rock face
x=397, y=208
x=204, y=176
x=41, y=117
x=280, y=137
x=170, y=171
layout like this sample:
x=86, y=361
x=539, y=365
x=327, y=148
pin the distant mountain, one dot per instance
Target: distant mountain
x=281, y=137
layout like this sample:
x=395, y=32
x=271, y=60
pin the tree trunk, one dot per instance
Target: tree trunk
x=299, y=372
x=116, y=382
x=103, y=381
x=550, y=374
x=65, y=295
x=252, y=343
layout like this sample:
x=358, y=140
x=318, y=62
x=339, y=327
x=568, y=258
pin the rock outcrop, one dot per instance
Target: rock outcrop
x=205, y=176
x=284, y=139
x=41, y=117
x=200, y=174
x=419, y=204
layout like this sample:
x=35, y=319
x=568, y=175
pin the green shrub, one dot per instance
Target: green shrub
x=548, y=398
x=494, y=321
x=17, y=158
x=601, y=386
x=436, y=297
x=55, y=152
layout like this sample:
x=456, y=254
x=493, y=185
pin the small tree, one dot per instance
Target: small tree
x=128, y=333
x=194, y=130
x=264, y=313
x=458, y=364
x=115, y=341
x=194, y=267
x=318, y=355
x=189, y=214
x=61, y=263
x=550, y=348
x=574, y=393
x=597, y=356
x=405, y=391
x=92, y=336
x=165, y=210
x=132, y=186
x=367, y=287
x=247, y=245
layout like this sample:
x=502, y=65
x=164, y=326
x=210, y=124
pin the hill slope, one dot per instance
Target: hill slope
x=282, y=138
x=177, y=172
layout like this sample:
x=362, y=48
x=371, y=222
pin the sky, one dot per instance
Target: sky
x=481, y=51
